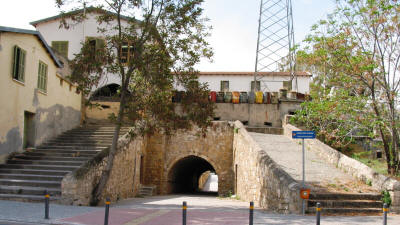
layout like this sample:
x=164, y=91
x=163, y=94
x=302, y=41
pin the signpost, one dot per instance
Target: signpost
x=304, y=193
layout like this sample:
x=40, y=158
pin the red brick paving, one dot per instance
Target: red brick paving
x=174, y=217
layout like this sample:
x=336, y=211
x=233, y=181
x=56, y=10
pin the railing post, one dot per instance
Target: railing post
x=251, y=215
x=318, y=209
x=184, y=208
x=46, y=204
x=385, y=211
x=107, y=211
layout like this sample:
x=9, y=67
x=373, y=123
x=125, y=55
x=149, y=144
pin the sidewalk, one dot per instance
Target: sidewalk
x=166, y=210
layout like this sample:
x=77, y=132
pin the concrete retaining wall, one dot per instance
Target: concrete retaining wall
x=352, y=166
x=260, y=179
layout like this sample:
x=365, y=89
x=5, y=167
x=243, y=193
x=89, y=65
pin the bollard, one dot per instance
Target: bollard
x=251, y=213
x=318, y=213
x=107, y=211
x=184, y=208
x=385, y=211
x=46, y=205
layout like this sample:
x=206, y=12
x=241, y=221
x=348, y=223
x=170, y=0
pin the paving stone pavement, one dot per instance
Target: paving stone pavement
x=288, y=154
x=166, y=210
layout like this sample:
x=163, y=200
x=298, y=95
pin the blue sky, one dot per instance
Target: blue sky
x=234, y=23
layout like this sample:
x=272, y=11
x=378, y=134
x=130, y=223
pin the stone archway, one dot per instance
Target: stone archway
x=168, y=157
x=184, y=174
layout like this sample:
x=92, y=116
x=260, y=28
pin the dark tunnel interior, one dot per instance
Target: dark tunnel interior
x=184, y=175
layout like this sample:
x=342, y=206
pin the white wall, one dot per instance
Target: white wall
x=243, y=82
x=76, y=35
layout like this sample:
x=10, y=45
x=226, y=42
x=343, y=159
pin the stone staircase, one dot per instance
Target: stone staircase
x=146, y=191
x=27, y=175
x=338, y=203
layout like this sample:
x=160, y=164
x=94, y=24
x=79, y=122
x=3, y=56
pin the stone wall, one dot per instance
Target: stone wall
x=254, y=114
x=160, y=154
x=352, y=166
x=163, y=152
x=259, y=178
x=124, y=180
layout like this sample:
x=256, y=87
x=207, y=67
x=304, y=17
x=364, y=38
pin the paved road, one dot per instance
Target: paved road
x=165, y=210
x=288, y=154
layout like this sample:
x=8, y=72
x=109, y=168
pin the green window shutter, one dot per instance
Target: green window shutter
x=18, y=71
x=42, y=77
x=22, y=66
x=45, y=77
x=99, y=43
x=15, y=63
x=61, y=47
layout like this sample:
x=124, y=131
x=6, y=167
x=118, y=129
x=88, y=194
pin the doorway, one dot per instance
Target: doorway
x=29, y=129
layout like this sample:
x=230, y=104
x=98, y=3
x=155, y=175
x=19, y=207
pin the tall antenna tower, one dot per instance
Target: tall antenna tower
x=275, y=43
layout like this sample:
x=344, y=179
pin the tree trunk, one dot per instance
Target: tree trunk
x=105, y=175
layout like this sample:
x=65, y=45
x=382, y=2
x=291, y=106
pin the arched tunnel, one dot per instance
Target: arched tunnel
x=184, y=175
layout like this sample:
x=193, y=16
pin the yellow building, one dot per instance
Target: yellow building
x=37, y=102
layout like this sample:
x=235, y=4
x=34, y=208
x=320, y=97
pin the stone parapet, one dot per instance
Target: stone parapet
x=124, y=179
x=351, y=166
x=260, y=179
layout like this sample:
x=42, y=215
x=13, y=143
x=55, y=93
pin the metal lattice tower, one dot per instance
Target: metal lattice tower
x=275, y=42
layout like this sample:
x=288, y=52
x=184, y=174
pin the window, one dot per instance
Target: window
x=258, y=86
x=224, y=85
x=95, y=44
x=18, y=72
x=42, y=77
x=61, y=47
x=126, y=52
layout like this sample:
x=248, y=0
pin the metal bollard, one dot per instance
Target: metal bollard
x=184, y=208
x=107, y=211
x=251, y=213
x=46, y=204
x=318, y=213
x=385, y=211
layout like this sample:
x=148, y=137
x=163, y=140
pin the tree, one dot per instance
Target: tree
x=149, y=45
x=356, y=50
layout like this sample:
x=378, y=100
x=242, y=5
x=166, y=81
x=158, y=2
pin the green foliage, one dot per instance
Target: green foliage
x=165, y=40
x=149, y=46
x=354, y=56
x=386, y=198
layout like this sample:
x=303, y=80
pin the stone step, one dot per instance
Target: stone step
x=26, y=190
x=73, y=152
x=52, y=158
x=38, y=167
x=342, y=196
x=30, y=198
x=71, y=147
x=346, y=203
x=35, y=172
x=77, y=144
x=31, y=183
x=85, y=136
x=78, y=141
x=31, y=177
x=340, y=211
x=60, y=154
x=266, y=130
x=146, y=191
x=44, y=162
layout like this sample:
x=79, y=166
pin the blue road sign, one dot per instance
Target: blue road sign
x=303, y=134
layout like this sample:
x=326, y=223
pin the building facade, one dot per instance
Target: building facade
x=68, y=42
x=243, y=81
x=38, y=102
